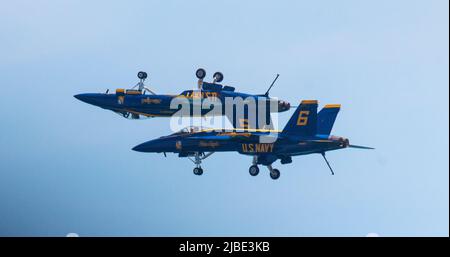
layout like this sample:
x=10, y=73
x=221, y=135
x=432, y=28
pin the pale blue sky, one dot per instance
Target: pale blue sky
x=66, y=166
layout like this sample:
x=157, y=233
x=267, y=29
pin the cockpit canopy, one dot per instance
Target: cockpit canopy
x=188, y=130
x=216, y=87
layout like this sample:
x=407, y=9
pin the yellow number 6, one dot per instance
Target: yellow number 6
x=302, y=118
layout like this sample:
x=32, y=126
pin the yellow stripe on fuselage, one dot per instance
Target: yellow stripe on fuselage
x=239, y=130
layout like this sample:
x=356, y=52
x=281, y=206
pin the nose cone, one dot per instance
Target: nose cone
x=155, y=146
x=82, y=97
x=140, y=148
x=94, y=99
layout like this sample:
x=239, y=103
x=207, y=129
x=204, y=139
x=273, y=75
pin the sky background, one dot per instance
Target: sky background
x=68, y=167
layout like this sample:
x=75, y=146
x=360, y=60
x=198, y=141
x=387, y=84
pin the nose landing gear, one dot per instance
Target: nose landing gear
x=198, y=171
x=198, y=158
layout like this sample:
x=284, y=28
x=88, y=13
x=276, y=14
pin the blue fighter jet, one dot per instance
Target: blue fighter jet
x=140, y=101
x=307, y=132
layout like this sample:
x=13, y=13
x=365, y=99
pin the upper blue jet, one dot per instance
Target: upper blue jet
x=140, y=101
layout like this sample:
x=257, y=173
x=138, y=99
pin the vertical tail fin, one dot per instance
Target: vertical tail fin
x=326, y=118
x=304, y=120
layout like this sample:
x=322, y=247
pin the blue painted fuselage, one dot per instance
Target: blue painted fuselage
x=137, y=104
x=267, y=145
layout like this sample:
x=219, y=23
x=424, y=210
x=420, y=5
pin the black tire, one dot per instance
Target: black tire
x=274, y=174
x=200, y=73
x=198, y=171
x=253, y=170
x=142, y=75
x=218, y=76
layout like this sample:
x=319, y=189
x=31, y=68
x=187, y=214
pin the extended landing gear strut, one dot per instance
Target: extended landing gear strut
x=254, y=169
x=274, y=173
x=198, y=158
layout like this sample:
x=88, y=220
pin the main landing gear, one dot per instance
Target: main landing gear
x=274, y=173
x=254, y=170
x=198, y=158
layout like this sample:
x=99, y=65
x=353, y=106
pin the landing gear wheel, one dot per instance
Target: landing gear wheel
x=218, y=76
x=142, y=75
x=198, y=171
x=253, y=170
x=274, y=174
x=200, y=73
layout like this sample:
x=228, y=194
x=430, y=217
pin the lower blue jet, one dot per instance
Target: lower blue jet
x=307, y=132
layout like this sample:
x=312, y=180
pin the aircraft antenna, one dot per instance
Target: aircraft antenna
x=271, y=85
x=329, y=166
